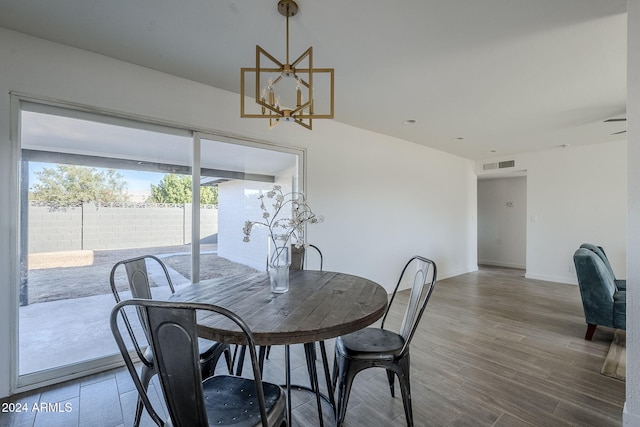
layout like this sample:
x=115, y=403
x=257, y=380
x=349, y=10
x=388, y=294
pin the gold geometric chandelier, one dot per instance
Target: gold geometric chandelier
x=285, y=91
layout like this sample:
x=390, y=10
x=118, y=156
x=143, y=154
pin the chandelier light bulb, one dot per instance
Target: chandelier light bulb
x=298, y=93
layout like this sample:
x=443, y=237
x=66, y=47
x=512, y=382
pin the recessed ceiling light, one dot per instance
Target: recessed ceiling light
x=409, y=122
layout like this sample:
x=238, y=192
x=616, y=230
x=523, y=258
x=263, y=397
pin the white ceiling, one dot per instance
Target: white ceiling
x=507, y=76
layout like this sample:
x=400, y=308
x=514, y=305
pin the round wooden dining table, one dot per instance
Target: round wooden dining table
x=319, y=305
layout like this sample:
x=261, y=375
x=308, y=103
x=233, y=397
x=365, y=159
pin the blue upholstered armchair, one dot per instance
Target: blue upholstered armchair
x=604, y=304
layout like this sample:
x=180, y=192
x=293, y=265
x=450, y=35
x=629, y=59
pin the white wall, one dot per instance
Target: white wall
x=237, y=207
x=632, y=407
x=574, y=196
x=383, y=202
x=383, y=199
x=502, y=222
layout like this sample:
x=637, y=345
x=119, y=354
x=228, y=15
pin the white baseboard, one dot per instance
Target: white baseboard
x=549, y=278
x=446, y=275
x=502, y=264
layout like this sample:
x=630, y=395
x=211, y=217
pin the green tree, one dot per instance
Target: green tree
x=70, y=185
x=177, y=189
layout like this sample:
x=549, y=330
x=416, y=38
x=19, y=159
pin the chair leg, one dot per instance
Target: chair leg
x=234, y=356
x=591, y=328
x=241, y=356
x=334, y=374
x=262, y=350
x=138, y=416
x=287, y=376
x=327, y=376
x=145, y=377
x=405, y=388
x=390, y=376
x=310, y=353
x=345, y=380
x=310, y=358
x=227, y=358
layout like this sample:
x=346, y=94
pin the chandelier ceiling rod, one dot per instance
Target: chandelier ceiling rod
x=287, y=15
x=268, y=90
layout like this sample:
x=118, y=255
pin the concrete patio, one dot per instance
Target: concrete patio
x=63, y=332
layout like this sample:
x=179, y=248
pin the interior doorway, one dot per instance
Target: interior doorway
x=502, y=220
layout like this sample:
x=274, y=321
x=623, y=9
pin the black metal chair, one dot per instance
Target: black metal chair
x=139, y=284
x=218, y=400
x=378, y=347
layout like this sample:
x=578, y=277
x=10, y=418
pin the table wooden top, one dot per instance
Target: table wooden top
x=319, y=305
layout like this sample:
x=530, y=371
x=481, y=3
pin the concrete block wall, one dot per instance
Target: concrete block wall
x=115, y=227
x=53, y=231
x=133, y=227
x=208, y=223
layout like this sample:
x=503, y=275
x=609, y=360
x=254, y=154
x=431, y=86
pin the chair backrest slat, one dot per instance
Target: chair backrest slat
x=420, y=274
x=299, y=258
x=175, y=347
x=138, y=279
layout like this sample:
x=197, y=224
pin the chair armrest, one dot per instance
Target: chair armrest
x=620, y=310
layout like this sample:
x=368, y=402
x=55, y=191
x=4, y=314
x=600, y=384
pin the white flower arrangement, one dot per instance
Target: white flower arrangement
x=276, y=219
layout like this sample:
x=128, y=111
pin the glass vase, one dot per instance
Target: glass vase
x=279, y=260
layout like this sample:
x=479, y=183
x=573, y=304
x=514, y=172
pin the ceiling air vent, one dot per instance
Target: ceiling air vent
x=489, y=166
x=506, y=164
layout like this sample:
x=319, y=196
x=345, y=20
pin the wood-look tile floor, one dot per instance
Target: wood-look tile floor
x=493, y=349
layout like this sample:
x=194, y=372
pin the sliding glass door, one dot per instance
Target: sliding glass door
x=96, y=189
x=241, y=173
x=93, y=192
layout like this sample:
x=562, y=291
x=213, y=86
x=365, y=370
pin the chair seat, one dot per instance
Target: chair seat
x=210, y=348
x=370, y=343
x=232, y=400
x=148, y=354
